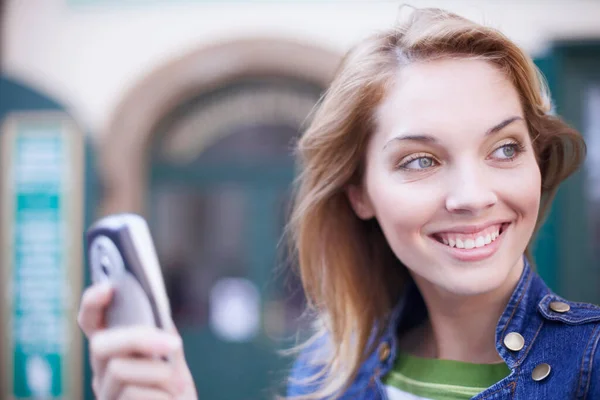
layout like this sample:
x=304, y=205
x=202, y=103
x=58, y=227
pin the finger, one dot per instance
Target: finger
x=179, y=363
x=134, y=340
x=94, y=301
x=124, y=372
x=143, y=393
x=177, y=355
x=96, y=386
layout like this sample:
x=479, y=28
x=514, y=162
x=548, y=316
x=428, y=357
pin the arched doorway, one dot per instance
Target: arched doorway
x=210, y=165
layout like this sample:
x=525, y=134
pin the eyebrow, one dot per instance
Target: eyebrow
x=430, y=139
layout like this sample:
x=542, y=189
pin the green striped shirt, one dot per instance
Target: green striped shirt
x=415, y=378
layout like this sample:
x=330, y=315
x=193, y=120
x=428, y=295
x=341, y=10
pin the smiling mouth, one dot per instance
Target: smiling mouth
x=471, y=240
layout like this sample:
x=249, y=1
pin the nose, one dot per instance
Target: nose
x=470, y=191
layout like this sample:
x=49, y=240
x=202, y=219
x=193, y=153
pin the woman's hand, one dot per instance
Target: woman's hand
x=126, y=362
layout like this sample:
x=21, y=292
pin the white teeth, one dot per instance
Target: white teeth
x=479, y=241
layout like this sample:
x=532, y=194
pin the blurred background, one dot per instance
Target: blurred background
x=186, y=111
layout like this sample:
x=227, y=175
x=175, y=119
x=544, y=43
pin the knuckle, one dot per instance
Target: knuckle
x=101, y=341
x=86, y=299
x=114, y=369
x=95, y=344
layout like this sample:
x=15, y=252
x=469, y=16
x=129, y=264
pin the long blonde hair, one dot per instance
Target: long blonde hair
x=350, y=275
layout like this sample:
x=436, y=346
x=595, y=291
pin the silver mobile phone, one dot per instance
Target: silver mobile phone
x=120, y=250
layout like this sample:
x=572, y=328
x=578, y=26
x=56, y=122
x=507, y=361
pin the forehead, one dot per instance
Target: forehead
x=446, y=96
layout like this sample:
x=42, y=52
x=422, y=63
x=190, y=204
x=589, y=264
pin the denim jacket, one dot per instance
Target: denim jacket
x=558, y=359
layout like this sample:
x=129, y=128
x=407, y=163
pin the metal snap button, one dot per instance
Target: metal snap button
x=541, y=372
x=384, y=351
x=514, y=341
x=559, y=307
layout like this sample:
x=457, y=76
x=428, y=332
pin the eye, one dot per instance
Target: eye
x=507, y=151
x=417, y=162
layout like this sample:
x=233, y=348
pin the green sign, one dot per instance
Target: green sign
x=41, y=178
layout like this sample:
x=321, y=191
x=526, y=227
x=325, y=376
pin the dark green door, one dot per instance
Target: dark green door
x=227, y=300
x=217, y=208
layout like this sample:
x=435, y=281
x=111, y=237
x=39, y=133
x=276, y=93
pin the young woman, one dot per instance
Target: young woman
x=427, y=168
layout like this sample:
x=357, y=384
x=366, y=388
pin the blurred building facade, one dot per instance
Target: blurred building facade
x=186, y=112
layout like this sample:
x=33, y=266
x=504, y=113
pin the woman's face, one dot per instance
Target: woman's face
x=451, y=175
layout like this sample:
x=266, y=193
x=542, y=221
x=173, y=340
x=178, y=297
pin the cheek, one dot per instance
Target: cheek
x=402, y=209
x=522, y=190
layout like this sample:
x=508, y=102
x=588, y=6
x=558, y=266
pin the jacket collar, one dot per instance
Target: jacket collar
x=519, y=317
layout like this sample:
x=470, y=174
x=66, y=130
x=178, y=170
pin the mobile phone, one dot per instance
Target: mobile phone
x=120, y=250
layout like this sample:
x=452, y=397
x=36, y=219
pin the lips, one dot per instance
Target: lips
x=470, y=238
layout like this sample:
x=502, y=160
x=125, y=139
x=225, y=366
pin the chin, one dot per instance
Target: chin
x=472, y=286
x=473, y=280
